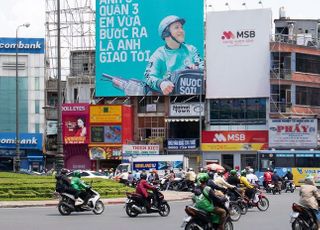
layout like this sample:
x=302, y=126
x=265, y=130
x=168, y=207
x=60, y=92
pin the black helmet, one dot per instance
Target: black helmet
x=143, y=176
x=64, y=171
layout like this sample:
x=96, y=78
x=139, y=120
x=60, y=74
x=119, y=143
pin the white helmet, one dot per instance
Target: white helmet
x=163, y=29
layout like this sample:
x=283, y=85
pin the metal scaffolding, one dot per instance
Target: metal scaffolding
x=77, y=23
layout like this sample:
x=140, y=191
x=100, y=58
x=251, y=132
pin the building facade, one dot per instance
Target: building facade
x=31, y=120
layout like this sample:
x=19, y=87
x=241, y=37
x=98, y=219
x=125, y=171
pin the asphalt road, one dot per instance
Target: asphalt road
x=114, y=217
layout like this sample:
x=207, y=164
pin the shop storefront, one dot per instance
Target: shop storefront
x=233, y=148
x=31, y=156
x=110, y=127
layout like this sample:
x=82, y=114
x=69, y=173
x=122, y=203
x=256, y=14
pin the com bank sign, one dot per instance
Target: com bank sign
x=24, y=45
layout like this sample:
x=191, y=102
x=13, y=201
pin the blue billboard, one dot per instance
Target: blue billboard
x=27, y=141
x=25, y=45
x=149, y=47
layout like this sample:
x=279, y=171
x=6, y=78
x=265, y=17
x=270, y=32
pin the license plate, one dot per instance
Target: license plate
x=185, y=221
x=293, y=216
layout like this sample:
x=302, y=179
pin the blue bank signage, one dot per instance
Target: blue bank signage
x=27, y=141
x=25, y=45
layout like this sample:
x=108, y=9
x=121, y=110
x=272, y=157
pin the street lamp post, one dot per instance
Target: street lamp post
x=17, y=161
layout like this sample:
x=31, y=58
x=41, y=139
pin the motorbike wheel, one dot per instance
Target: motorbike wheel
x=192, y=225
x=164, y=209
x=99, y=208
x=292, y=190
x=228, y=225
x=244, y=208
x=296, y=225
x=235, y=212
x=64, y=209
x=263, y=204
x=130, y=211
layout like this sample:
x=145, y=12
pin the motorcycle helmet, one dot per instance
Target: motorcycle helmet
x=203, y=177
x=143, y=176
x=243, y=172
x=77, y=174
x=233, y=172
x=163, y=29
x=64, y=171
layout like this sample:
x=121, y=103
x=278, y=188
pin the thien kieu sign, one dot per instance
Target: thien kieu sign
x=140, y=149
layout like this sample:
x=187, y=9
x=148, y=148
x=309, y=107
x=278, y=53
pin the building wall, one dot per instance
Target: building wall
x=29, y=92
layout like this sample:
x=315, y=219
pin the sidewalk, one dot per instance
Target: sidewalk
x=168, y=195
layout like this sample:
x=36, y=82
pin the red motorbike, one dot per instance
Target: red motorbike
x=260, y=201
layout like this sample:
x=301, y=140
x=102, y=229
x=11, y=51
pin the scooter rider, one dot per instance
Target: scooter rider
x=288, y=177
x=267, y=178
x=80, y=186
x=310, y=195
x=249, y=188
x=63, y=184
x=276, y=180
x=208, y=200
x=142, y=188
x=173, y=56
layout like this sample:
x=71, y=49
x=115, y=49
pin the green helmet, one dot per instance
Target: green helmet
x=243, y=172
x=203, y=177
x=76, y=174
x=163, y=29
x=233, y=172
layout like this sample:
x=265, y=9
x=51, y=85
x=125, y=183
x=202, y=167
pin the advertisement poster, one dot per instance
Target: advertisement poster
x=235, y=40
x=293, y=133
x=149, y=47
x=105, y=152
x=105, y=114
x=75, y=123
x=106, y=134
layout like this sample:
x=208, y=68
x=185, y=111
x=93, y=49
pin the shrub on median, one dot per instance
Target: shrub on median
x=19, y=186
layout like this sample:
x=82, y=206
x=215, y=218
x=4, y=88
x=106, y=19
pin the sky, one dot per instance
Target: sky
x=16, y=12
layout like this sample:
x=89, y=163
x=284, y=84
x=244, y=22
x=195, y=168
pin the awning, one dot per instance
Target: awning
x=181, y=120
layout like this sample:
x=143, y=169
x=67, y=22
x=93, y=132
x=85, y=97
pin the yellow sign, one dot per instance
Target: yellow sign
x=105, y=114
x=231, y=146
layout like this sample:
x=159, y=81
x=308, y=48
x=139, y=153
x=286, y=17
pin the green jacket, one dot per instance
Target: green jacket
x=203, y=201
x=78, y=184
x=164, y=62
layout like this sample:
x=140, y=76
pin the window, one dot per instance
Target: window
x=75, y=94
x=37, y=106
x=307, y=96
x=307, y=63
x=37, y=128
x=235, y=111
x=37, y=83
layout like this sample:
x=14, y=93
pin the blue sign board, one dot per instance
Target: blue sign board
x=180, y=144
x=25, y=45
x=27, y=141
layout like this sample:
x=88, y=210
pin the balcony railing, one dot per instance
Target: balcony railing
x=296, y=39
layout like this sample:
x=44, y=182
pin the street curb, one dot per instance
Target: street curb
x=105, y=201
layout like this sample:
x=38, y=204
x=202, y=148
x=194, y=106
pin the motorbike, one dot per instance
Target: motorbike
x=236, y=197
x=201, y=220
x=186, y=82
x=275, y=189
x=135, y=204
x=67, y=203
x=289, y=186
x=260, y=201
x=303, y=218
